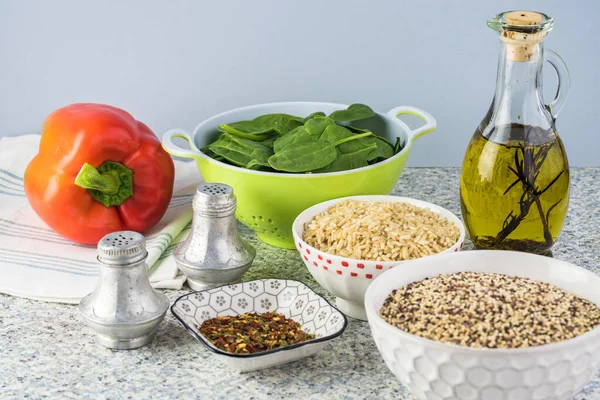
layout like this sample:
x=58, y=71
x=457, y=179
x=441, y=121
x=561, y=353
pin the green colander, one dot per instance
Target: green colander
x=269, y=202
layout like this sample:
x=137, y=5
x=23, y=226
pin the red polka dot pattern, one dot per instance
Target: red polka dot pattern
x=352, y=267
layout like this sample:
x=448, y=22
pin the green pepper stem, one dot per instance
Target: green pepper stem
x=111, y=184
x=89, y=178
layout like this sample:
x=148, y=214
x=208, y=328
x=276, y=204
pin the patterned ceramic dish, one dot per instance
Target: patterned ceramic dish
x=291, y=298
x=347, y=278
x=434, y=370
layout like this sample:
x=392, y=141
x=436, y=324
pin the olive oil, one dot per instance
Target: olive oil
x=514, y=184
x=515, y=188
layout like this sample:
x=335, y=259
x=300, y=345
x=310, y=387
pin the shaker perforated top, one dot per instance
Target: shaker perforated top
x=122, y=248
x=214, y=200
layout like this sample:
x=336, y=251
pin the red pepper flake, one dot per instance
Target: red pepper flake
x=252, y=333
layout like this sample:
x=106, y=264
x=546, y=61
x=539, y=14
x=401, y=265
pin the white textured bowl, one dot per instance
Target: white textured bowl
x=434, y=370
x=348, y=278
x=291, y=298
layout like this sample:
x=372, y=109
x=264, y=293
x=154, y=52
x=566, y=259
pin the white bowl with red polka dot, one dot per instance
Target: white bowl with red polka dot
x=348, y=278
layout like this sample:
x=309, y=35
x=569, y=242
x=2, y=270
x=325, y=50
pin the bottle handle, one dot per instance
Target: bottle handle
x=564, y=82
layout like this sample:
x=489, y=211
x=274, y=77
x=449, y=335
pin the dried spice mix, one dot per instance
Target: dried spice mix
x=252, y=333
x=489, y=310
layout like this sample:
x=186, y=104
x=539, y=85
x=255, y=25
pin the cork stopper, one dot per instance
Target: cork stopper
x=522, y=31
x=522, y=47
x=523, y=18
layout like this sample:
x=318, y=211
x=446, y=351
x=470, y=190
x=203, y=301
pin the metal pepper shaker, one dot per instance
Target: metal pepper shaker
x=123, y=309
x=213, y=254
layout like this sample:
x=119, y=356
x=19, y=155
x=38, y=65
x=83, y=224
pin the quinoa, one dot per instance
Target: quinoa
x=380, y=231
x=489, y=310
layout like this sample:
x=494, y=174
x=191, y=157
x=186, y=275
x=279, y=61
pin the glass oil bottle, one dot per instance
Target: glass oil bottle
x=514, y=183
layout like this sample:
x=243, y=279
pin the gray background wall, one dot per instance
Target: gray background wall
x=174, y=63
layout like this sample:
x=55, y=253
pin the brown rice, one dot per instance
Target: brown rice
x=380, y=231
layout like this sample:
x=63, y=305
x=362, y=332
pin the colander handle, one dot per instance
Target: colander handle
x=430, y=122
x=171, y=148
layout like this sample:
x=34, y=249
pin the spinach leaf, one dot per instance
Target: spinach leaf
x=355, y=129
x=314, y=144
x=303, y=158
x=241, y=152
x=259, y=128
x=270, y=119
x=269, y=142
x=319, y=113
x=351, y=155
x=334, y=133
x=311, y=155
x=291, y=138
x=356, y=153
x=354, y=112
x=311, y=131
x=317, y=125
x=397, y=146
x=286, y=125
x=383, y=148
x=206, y=150
x=255, y=164
x=256, y=135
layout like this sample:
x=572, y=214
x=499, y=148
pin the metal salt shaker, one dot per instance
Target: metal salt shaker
x=214, y=253
x=123, y=309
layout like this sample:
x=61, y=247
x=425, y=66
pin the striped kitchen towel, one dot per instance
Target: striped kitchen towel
x=37, y=263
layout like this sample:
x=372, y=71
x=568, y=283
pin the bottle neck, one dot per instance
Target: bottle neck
x=520, y=64
x=518, y=82
x=518, y=96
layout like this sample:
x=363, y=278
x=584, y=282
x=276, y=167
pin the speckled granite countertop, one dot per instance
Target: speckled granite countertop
x=47, y=352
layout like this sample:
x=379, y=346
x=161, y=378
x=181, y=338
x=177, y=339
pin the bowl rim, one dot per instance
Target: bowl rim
x=404, y=128
x=297, y=233
x=374, y=318
x=199, y=337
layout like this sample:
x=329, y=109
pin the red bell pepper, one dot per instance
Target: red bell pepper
x=98, y=171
